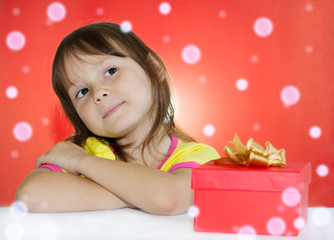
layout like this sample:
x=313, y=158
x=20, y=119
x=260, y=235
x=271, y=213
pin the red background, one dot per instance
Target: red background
x=298, y=52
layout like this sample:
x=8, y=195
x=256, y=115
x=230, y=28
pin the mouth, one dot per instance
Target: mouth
x=112, y=109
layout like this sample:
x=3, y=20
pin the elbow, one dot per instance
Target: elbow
x=25, y=197
x=167, y=205
x=27, y=194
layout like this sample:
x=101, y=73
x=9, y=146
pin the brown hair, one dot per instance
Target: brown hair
x=108, y=38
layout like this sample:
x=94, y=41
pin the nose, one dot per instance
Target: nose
x=101, y=95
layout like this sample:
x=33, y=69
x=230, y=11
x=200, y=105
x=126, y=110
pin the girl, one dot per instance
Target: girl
x=126, y=150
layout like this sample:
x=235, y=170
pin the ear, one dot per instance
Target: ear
x=158, y=65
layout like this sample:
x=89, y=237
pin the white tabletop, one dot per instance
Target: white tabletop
x=135, y=224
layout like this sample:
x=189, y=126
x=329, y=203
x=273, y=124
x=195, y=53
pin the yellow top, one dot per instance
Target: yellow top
x=99, y=148
x=180, y=155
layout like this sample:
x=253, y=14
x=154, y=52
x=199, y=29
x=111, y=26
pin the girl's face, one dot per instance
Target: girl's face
x=112, y=95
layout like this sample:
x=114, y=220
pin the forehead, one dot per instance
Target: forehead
x=81, y=52
x=76, y=65
x=84, y=60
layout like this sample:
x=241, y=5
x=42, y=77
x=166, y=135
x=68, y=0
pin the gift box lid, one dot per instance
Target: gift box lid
x=214, y=175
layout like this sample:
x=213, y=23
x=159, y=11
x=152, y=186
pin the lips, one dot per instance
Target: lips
x=112, y=109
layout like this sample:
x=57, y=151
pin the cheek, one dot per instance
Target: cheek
x=85, y=114
x=91, y=123
x=144, y=99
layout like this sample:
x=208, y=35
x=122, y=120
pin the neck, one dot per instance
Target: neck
x=152, y=154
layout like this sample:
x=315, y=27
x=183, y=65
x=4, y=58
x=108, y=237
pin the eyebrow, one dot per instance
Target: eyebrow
x=97, y=63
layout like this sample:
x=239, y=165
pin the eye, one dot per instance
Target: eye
x=110, y=72
x=82, y=93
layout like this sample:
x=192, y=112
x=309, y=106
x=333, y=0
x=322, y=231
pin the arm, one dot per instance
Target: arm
x=46, y=191
x=149, y=189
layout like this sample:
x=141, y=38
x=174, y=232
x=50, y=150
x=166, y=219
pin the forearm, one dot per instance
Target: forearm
x=47, y=191
x=149, y=189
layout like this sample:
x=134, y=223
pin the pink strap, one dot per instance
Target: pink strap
x=184, y=165
x=171, y=150
x=52, y=167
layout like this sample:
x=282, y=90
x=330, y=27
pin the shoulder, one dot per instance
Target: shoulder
x=189, y=155
x=195, y=150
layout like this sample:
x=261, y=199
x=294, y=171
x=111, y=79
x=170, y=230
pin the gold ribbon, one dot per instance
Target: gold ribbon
x=253, y=154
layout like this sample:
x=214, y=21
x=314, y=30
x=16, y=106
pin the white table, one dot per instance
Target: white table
x=135, y=224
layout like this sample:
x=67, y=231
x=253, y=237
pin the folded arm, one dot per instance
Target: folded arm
x=149, y=189
x=108, y=184
x=46, y=191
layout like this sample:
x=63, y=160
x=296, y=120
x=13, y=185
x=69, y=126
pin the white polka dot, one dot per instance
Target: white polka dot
x=276, y=226
x=193, y=211
x=165, y=8
x=241, y=84
x=16, y=11
x=290, y=95
x=191, y=54
x=322, y=170
x=256, y=127
x=263, y=27
x=14, y=154
x=309, y=7
x=25, y=69
x=247, y=229
x=166, y=39
x=16, y=40
x=291, y=197
x=209, y=130
x=14, y=231
x=254, y=58
x=202, y=79
x=49, y=22
x=308, y=49
x=100, y=11
x=126, y=26
x=280, y=208
x=22, y=131
x=222, y=14
x=299, y=223
x=44, y=204
x=321, y=216
x=45, y=121
x=56, y=12
x=11, y=92
x=246, y=232
x=18, y=210
x=315, y=132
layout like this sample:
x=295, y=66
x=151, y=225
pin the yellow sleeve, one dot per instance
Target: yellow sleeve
x=93, y=146
x=189, y=155
x=99, y=148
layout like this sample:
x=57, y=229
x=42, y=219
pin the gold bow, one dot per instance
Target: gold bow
x=253, y=154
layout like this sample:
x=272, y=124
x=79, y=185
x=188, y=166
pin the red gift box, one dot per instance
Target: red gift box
x=236, y=199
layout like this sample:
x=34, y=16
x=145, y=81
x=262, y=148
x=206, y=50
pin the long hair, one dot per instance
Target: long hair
x=108, y=39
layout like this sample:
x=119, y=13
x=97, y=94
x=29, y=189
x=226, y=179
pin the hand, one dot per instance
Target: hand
x=65, y=155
